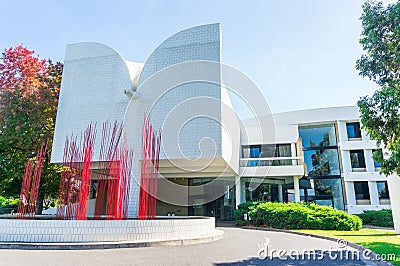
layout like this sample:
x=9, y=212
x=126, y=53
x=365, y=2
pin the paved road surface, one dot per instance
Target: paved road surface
x=238, y=247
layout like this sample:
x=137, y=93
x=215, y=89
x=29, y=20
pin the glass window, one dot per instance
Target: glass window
x=322, y=162
x=353, y=130
x=283, y=150
x=357, y=159
x=318, y=136
x=252, y=151
x=329, y=192
x=362, y=193
x=267, y=151
x=383, y=190
x=255, y=151
x=279, y=150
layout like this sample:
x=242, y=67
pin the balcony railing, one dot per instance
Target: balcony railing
x=272, y=161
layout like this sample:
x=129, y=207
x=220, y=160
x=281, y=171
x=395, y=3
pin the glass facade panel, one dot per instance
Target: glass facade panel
x=353, y=130
x=322, y=162
x=318, y=136
x=329, y=192
x=357, y=159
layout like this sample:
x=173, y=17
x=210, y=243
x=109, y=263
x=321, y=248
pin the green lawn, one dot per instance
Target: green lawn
x=379, y=241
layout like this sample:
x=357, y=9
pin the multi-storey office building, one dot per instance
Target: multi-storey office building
x=318, y=155
x=326, y=150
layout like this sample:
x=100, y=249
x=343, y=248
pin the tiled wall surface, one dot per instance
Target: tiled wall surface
x=78, y=231
x=92, y=91
x=191, y=111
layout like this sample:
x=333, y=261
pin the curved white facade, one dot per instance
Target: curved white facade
x=92, y=91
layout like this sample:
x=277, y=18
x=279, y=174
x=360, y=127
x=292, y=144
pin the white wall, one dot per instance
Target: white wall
x=371, y=175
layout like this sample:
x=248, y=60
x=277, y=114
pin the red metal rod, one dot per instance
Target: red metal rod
x=24, y=195
x=36, y=181
x=151, y=141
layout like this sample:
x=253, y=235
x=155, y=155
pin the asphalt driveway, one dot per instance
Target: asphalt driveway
x=238, y=247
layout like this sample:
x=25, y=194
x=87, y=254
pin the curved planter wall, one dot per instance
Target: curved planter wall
x=78, y=231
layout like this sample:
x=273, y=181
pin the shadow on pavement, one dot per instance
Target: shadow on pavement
x=225, y=224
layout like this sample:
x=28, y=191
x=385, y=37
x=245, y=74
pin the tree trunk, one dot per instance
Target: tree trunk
x=39, y=204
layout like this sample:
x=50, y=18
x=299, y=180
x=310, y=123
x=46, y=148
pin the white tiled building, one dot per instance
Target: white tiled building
x=209, y=168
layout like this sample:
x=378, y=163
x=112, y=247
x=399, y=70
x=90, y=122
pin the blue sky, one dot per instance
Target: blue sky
x=300, y=53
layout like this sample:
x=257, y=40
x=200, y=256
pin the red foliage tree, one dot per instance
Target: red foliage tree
x=21, y=70
x=29, y=89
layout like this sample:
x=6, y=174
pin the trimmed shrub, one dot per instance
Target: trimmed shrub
x=242, y=209
x=297, y=216
x=383, y=218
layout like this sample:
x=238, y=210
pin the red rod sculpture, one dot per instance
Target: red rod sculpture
x=30, y=185
x=109, y=171
x=117, y=173
x=24, y=195
x=151, y=141
x=113, y=173
x=76, y=176
x=83, y=196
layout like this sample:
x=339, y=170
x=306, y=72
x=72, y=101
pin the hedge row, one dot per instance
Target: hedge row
x=383, y=218
x=296, y=216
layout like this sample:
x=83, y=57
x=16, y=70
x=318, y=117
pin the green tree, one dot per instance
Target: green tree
x=29, y=89
x=380, y=39
x=380, y=113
